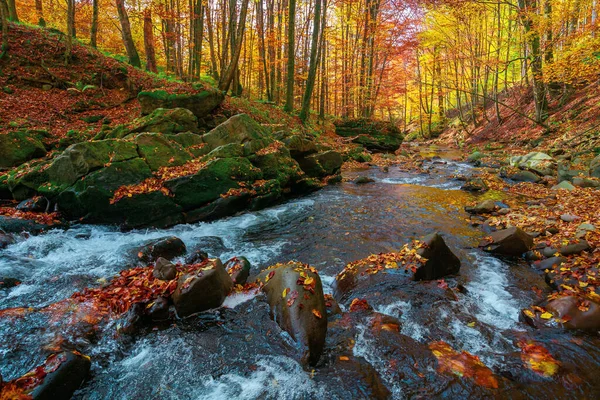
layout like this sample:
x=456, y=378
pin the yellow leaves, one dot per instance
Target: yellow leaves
x=546, y=315
x=285, y=292
x=538, y=359
x=309, y=281
x=582, y=284
x=344, y=358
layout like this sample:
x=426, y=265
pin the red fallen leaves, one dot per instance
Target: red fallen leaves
x=463, y=364
x=292, y=298
x=40, y=218
x=538, y=359
x=359, y=305
x=20, y=388
x=407, y=257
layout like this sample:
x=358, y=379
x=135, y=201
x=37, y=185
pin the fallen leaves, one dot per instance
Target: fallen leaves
x=463, y=364
x=38, y=217
x=538, y=359
x=317, y=313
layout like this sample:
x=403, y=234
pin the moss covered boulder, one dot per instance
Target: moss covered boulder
x=158, y=151
x=239, y=129
x=161, y=120
x=19, y=147
x=322, y=164
x=376, y=136
x=200, y=104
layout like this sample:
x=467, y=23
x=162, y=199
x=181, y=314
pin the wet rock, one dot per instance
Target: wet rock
x=475, y=156
x=333, y=307
x=525, y=176
x=211, y=245
x=200, y=104
x=196, y=257
x=510, y=242
x=321, y=164
x=475, y=185
x=573, y=308
x=540, y=163
x=564, y=185
x=164, y=269
x=295, y=296
x=239, y=269
x=585, y=182
x=19, y=225
x=574, y=248
x=485, y=207
x=9, y=283
x=35, y=204
x=57, y=379
x=441, y=261
x=133, y=320
x=158, y=310
x=549, y=263
x=362, y=180
x=166, y=247
x=5, y=240
x=202, y=290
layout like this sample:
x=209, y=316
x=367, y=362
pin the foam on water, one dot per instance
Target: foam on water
x=235, y=299
x=403, y=310
x=495, y=305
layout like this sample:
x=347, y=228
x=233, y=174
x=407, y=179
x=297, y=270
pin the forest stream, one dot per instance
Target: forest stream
x=237, y=351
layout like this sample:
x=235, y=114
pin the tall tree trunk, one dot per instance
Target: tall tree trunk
x=132, y=54
x=232, y=69
x=70, y=24
x=12, y=11
x=94, y=28
x=4, y=16
x=533, y=39
x=196, y=35
x=39, y=11
x=72, y=30
x=211, y=43
x=291, y=53
x=260, y=27
x=314, y=61
x=149, y=41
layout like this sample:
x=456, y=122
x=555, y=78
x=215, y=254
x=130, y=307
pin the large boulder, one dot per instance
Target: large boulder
x=161, y=120
x=203, y=289
x=239, y=269
x=19, y=147
x=578, y=313
x=540, y=163
x=441, y=261
x=512, y=241
x=158, y=151
x=239, y=129
x=322, y=164
x=200, y=104
x=295, y=295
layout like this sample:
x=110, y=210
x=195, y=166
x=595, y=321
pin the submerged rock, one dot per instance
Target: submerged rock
x=362, y=180
x=202, y=290
x=475, y=185
x=295, y=295
x=510, y=242
x=167, y=247
x=5, y=240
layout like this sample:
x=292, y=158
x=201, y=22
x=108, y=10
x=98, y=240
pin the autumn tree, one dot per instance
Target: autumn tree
x=149, y=41
x=134, y=58
x=291, y=56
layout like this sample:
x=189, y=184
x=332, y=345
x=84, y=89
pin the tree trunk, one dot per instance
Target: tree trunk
x=149, y=41
x=12, y=11
x=39, y=11
x=94, y=28
x=70, y=24
x=211, y=42
x=232, y=71
x=291, y=53
x=314, y=61
x=132, y=54
x=4, y=15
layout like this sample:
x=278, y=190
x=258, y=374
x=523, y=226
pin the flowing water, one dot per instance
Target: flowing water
x=237, y=351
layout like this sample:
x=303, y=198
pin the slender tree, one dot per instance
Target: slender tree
x=70, y=25
x=132, y=54
x=291, y=54
x=94, y=28
x=12, y=11
x=314, y=61
x=228, y=75
x=4, y=16
x=39, y=10
x=149, y=41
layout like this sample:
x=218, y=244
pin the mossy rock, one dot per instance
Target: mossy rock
x=226, y=151
x=279, y=166
x=300, y=146
x=192, y=142
x=359, y=154
x=158, y=151
x=239, y=129
x=380, y=136
x=321, y=164
x=19, y=147
x=161, y=120
x=200, y=104
x=209, y=183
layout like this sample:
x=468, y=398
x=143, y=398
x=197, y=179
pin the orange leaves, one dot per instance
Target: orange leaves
x=40, y=218
x=317, y=313
x=359, y=305
x=538, y=359
x=270, y=149
x=156, y=183
x=463, y=364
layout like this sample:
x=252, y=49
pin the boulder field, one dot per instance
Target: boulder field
x=139, y=179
